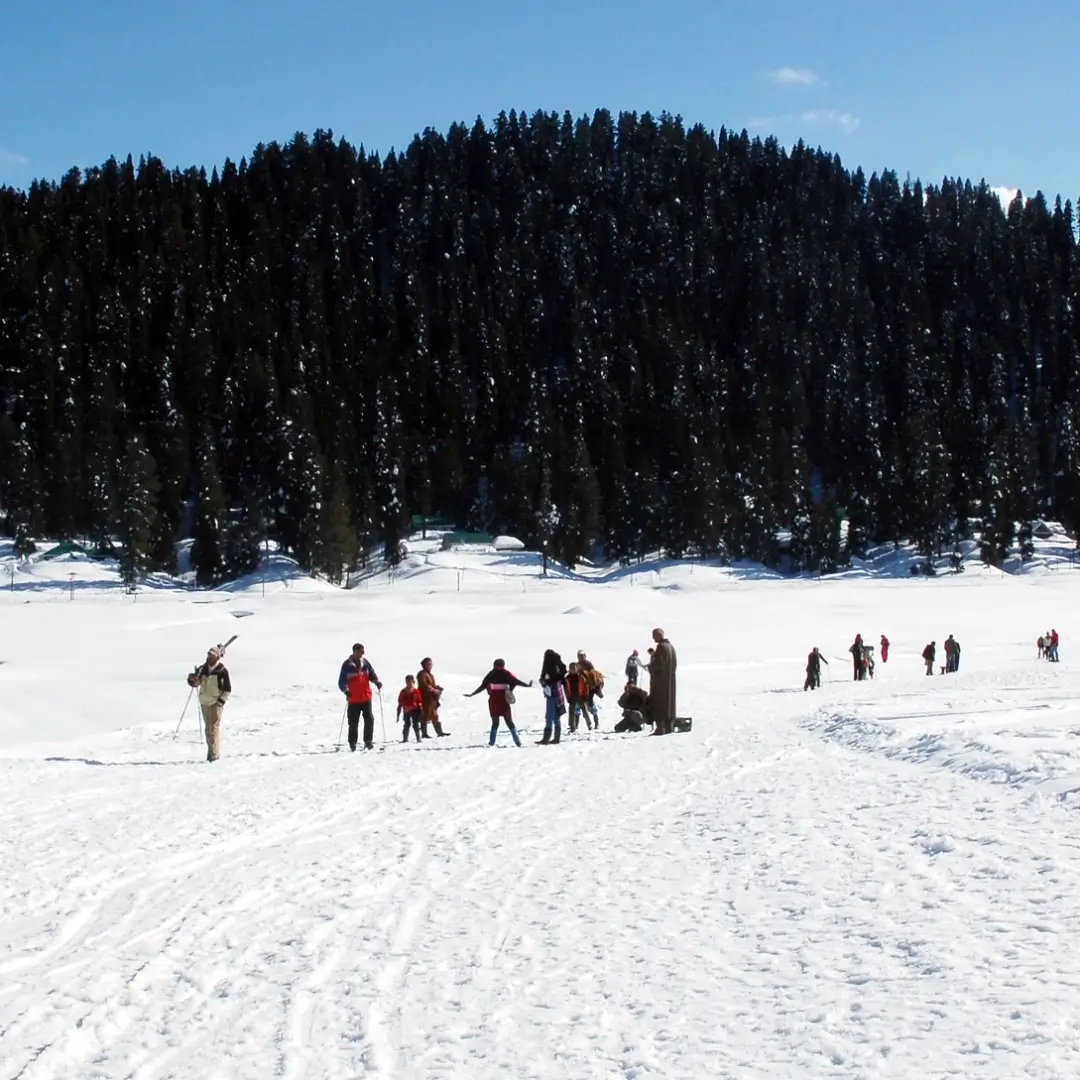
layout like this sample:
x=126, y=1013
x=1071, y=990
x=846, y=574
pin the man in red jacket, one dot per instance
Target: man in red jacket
x=354, y=682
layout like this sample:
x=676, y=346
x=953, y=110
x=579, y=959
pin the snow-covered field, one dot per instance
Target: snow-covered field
x=879, y=879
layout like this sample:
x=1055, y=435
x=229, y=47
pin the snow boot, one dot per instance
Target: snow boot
x=437, y=725
x=558, y=733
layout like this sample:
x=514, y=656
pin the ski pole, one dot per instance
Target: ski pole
x=342, y=728
x=183, y=714
x=382, y=719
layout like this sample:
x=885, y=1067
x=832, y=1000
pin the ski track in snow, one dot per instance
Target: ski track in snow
x=877, y=880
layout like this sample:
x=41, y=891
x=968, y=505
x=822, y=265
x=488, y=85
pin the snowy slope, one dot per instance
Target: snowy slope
x=876, y=880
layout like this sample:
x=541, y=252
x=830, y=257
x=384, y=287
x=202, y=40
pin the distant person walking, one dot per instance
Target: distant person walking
x=928, y=655
x=662, y=669
x=813, y=669
x=884, y=649
x=856, y=656
x=633, y=668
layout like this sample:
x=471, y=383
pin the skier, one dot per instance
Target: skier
x=577, y=695
x=633, y=668
x=884, y=649
x=410, y=704
x=431, y=692
x=354, y=682
x=499, y=684
x=928, y=655
x=813, y=669
x=1053, y=646
x=662, y=684
x=552, y=675
x=215, y=686
x=856, y=655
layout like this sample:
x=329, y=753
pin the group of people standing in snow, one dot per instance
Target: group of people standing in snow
x=569, y=691
x=952, y=656
x=1048, y=646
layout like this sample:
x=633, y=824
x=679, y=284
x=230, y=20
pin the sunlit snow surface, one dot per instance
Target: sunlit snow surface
x=880, y=879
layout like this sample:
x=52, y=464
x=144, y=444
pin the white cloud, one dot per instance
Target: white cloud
x=10, y=159
x=1005, y=194
x=845, y=121
x=789, y=76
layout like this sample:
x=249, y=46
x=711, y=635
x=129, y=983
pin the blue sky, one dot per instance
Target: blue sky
x=952, y=87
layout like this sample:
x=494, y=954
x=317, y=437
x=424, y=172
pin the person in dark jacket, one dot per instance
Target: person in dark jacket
x=633, y=668
x=856, y=655
x=928, y=655
x=552, y=677
x=354, y=682
x=499, y=684
x=635, y=706
x=662, y=670
x=813, y=669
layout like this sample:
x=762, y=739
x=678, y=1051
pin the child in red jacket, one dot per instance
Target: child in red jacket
x=411, y=705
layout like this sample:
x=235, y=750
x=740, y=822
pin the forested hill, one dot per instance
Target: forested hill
x=607, y=329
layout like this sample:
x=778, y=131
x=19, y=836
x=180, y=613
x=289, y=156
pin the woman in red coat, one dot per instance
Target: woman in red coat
x=884, y=649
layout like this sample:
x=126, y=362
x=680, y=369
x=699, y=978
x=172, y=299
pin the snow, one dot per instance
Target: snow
x=878, y=879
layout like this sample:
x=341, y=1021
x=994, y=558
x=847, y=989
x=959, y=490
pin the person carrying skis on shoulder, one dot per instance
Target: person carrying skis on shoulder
x=215, y=686
x=409, y=706
x=884, y=649
x=354, y=681
x=431, y=692
x=813, y=669
x=552, y=675
x=499, y=684
x=633, y=668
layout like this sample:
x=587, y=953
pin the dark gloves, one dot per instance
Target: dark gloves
x=193, y=679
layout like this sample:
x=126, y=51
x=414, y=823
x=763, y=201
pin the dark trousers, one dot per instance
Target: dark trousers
x=412, y=723
x=355, y=711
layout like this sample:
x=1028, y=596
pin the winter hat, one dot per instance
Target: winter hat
x=635, y=652
x=214, y=651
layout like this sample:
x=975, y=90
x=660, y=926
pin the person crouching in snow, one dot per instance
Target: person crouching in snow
x=499, y=684
x=431, y=692
x=552, y=674
x=215, y=686
x=410, y=704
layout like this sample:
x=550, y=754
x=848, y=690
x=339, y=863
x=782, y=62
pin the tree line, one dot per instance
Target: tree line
x=606, y=332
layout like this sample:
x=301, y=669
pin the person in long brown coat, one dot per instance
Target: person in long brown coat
x=430, y=692
x=662, y=684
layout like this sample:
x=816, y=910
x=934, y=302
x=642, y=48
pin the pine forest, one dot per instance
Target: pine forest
x=607, y=336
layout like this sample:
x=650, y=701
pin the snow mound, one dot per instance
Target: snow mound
x=507, y=543
x=579, y=609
